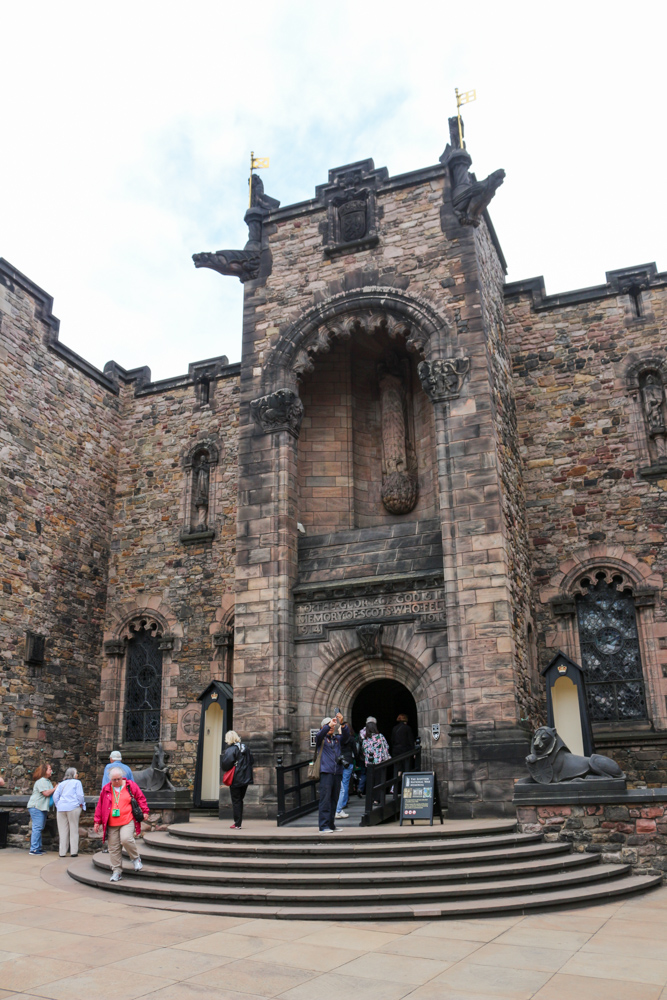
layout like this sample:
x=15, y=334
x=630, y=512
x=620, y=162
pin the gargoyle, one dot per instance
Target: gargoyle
x=241, y=264
x=470, y=200
x=550, y=761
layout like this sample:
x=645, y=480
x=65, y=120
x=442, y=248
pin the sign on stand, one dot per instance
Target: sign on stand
x=420, y=796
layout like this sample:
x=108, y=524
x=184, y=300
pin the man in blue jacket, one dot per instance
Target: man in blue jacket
x=332, y=737
x=116, y=760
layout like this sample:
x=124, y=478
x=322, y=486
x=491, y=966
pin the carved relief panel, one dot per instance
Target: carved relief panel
x=399, y=466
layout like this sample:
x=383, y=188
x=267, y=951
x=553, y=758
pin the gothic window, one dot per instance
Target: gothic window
x=610, y=654
x=144, y=687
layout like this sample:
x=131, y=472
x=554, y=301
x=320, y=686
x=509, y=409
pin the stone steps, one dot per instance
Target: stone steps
x=355, y=866
x=456, y=870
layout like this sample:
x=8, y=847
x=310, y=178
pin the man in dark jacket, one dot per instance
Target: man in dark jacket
x=332, y=738
x=402, y=738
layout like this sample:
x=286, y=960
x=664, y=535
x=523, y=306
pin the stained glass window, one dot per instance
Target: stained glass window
x=144, y=689
x=610, y=653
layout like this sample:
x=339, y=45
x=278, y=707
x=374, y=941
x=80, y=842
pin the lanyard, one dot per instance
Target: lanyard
x=116, y=797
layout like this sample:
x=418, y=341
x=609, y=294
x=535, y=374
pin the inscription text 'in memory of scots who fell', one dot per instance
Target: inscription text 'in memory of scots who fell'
x=315, y=618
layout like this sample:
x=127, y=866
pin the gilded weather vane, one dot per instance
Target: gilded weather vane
x=256, y=163
x=465, y=98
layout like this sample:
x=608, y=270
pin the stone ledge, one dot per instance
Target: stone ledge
x=191, y=537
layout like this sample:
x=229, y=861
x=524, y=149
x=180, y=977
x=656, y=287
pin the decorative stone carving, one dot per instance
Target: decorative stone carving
x=243, y=264
x=399, y=480
x=279, y=411
x=550, y=761
x=370, y=640
x=470, y=197
x=200, y=491
x=350, y=197
x=224, y=638
x=442, y=380
x=166, y=641
x=114, y=647
x=653, y=402
x=156, y=777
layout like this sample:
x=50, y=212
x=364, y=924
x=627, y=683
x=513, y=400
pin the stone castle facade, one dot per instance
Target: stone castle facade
x=418, y=476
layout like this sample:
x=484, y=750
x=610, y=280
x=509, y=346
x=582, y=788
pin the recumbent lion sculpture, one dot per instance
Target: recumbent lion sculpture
x=550, y=761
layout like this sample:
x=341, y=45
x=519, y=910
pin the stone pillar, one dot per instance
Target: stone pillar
x=265, y=573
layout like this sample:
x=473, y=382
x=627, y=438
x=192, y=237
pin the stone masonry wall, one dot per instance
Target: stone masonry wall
x=584, y=442
x=529, y=691
x=622, y=834
x=189, y=586
x=59, y=432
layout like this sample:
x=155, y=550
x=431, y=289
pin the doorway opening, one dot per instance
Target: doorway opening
x=385, y=699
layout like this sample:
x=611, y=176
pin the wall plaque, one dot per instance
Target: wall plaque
x=426, y=606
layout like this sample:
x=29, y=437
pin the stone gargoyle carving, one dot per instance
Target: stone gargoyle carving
x=470, y=197
x=156, y=777
x=550, y=762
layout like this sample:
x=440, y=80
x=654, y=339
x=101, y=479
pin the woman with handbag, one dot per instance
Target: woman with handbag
x=38, y=805
x=118, y=814
x=236, y=766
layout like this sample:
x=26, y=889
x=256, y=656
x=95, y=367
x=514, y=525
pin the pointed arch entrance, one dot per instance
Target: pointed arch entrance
x=384, y=698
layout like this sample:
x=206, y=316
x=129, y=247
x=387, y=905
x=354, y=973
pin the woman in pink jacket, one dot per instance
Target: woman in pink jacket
x=113, y=816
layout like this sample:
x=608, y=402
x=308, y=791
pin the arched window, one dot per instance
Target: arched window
x=610, y=653
x=143, y=692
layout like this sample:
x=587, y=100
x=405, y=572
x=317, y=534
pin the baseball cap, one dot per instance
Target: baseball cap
x=115, y=755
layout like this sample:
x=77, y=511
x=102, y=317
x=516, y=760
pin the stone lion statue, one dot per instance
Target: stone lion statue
x=550, y=761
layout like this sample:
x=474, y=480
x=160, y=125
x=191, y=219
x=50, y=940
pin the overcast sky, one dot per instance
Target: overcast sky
x=127, y=128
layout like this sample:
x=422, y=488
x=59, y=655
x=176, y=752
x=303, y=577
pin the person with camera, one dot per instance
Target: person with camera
x=332, y=739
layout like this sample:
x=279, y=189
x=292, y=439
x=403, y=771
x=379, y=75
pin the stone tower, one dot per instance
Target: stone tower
x=381, y=529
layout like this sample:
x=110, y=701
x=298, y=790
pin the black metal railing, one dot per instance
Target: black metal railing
x=299, y=797
x=383, y=786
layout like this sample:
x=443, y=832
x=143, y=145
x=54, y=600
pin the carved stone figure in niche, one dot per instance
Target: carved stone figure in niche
x=201, y=477
x=654, y=412
x=399, y=479
x=550, y=761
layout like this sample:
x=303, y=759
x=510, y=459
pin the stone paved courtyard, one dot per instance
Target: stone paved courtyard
x=63, y=941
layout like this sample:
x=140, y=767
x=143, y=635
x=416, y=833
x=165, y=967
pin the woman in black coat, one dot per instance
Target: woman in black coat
x=238, y=756
x=402, y=738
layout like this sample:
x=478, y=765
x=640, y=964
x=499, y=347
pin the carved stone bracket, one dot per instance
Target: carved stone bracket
x=563, y=606
x=166, y=641
x=645, y=597
x=370, y=640
x=442, y=380
x=114, y=647
x=279, y=411
x=224, y=638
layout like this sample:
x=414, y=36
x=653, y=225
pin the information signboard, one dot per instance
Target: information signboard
x=419, y=796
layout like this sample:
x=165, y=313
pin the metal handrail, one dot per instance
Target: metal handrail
x=383, y=803
x=306, y=792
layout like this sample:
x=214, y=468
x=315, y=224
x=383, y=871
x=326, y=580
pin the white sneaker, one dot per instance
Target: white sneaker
x=342, y=815
x=328, y=830
x=137, y=864
x=116, y=877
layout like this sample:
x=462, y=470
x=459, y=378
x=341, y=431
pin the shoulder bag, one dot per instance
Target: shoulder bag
x=315, y=765
x=137, y=811
x=228, y=776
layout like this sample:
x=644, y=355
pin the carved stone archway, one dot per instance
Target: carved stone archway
x=363, y=311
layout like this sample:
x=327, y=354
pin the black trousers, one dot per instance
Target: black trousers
x=238, y=794
x=329, y=792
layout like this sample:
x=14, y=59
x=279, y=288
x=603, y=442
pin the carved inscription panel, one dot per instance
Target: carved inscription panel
x=315, y=618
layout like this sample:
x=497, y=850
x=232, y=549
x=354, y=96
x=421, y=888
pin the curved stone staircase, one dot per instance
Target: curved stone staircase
x=458, y=870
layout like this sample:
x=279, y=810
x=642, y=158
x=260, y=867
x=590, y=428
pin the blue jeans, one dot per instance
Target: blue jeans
x=38, y=817
x=344, y=796
x=362, y=780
